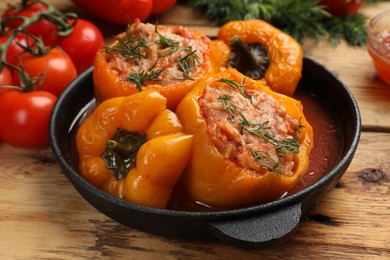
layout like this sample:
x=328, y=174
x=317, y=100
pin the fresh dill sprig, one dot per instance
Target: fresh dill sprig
x=257, y=129
x=283, y=146
x=239, y=86
x=166, y=42
x=139, y=78
x=344, y=27
x=130, y=47
x=301, y=19
x=228, y=105
x=267, y=161
x=188, y=62
x=261, y=130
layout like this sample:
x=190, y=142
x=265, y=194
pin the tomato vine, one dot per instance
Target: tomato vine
x=37, y=62
x=33, y=45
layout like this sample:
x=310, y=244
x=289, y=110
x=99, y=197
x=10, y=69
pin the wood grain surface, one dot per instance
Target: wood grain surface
x=43, y=217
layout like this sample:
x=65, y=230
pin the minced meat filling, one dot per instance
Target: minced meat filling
x=250, y=128
x=173, y=52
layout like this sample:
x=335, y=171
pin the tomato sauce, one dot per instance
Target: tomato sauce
x=327, y=146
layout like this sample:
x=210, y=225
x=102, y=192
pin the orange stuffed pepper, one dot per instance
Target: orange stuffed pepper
x=134, y=148
x=261, y=51
x=168, y=59
x=250, y=144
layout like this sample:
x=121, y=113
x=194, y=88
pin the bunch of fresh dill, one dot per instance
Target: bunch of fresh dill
x=301, y=19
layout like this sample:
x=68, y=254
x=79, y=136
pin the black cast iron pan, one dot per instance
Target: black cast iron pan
x=253, y=227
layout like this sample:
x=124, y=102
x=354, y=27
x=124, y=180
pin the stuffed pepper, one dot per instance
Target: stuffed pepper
x=250, y=144
x=134, y=148
x=169, y=59
x=262, y=52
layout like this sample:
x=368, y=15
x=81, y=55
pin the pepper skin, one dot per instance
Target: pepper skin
x=222, y=50
x=285, y=54
x=160, y=161
x=185, y=57
x=214, y=180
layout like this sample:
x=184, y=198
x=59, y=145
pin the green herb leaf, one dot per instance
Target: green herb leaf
x=228, y=105
x=346, y=28
x=267, y=161
x=239, y=86
x=284, y=146
x=188, y=62
x=166, y=42
x=139, y=78
x=130, y=47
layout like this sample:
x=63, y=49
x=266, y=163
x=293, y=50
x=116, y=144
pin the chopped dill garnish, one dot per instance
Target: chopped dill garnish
x=188, y=62
x=139, y=78
x=166, y=42
x=130, y=48
x=228, y=105
x=260, y=129
x=267, y=161
x=284, y=146
x=239, y=86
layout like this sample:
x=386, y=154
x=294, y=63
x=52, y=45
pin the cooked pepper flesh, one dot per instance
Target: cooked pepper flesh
x=250, y=59
x=121, y=152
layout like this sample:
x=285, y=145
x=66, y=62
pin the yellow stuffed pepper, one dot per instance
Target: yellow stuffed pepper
x=166, y=58
x=134, y=148
x=250, y=144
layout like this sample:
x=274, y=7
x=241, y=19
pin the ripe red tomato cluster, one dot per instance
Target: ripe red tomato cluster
x=120, y=11
x=81, y=45
x=24, y=115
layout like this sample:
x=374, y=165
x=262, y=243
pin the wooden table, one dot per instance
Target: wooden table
x=43, y=217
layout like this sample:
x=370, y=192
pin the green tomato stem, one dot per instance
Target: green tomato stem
x=51, y=14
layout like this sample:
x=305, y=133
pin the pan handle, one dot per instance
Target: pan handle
x=261, y=231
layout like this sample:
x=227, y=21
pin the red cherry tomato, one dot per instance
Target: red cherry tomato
x=82, y=44
x=42, y=28
x=161, y=6
x=6, y=78
x=57, y=65
x=14, y=50
x=24, y=117
x=117, y=11
x=342, y=7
